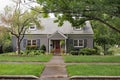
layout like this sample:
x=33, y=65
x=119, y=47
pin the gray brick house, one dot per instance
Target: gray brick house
x=57, y=38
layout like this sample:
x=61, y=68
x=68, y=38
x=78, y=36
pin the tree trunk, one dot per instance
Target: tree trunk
x=104, y=46
x=18, y=46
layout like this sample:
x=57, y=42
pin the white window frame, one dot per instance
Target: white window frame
x=31, y=42
x=77, y=29
x=78, y=43
x=32, y=25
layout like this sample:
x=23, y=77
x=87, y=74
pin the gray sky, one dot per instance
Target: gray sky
x=3, y=3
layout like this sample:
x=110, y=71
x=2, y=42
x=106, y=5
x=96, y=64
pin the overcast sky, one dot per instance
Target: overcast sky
x=3, y=3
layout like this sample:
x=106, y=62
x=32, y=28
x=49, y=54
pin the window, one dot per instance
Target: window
x=78, y=43
x=75, y=42
x=32, y=27
x=77, y=28
x=31, y=42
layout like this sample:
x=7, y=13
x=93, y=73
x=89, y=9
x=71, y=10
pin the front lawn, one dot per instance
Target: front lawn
x=39, y=58
x=93, y=70
x=21, y=69
x=92, y=58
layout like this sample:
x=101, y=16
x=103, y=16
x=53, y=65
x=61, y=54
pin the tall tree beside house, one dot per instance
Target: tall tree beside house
x=78, y=11
x=5, y=40
x=17, y=21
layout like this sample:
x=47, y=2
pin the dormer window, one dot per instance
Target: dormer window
x=77, y=28
x=32, y=27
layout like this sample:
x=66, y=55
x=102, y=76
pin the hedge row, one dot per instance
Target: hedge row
x=84, y=51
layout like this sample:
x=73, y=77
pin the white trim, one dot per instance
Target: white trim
x=31, y=42
x=77, y=29
x=59, y=33
x=65, y=46
x=32, y=25
x=78, y=43
x=49, y=46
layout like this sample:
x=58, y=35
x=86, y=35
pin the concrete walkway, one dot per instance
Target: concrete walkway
x=55, y=70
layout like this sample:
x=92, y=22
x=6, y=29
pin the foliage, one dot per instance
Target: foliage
x=21, y=69
x=33, y=52
x=87, y=51
x=114, y=50
x=32, y=47
x=7, y=46
x=105, y=37
x=18, y=21
x=98, y=50
x=62, y=42
x=91, y=59
x=43, y=47
x=70, y=48
x=5, y=40
x=79, y=11
x=93, y=70
x=74, y=52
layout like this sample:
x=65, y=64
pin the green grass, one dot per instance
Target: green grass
x=40, y=58
x=93, y=70
x=92, y=58
x=21, y=69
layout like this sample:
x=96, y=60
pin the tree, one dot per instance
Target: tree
x=5, y=40
x=102, y=30
x=103, y=41
x=18, y=21
x=79, y=11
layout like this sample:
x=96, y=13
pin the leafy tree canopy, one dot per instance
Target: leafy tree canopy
x=78, y=11
x=18, y=21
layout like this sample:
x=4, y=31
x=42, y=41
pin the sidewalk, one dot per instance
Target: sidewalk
x=55, y=70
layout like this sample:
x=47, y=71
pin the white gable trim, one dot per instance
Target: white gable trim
x=59, y=33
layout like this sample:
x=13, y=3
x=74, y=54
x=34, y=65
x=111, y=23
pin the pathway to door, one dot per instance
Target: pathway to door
x=55, y=70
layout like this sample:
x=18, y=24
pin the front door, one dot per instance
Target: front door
x=57, y=46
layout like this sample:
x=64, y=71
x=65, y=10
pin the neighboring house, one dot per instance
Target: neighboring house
x=56, y=38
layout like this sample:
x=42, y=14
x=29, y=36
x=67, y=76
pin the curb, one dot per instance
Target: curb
x=95, y=78
x=18, y=77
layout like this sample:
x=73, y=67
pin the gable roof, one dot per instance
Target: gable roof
x=57, y=35
x=49, y=27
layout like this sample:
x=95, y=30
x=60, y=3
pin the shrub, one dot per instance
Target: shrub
x=98, y=50
x=7, y=47
x=110, y=52
x=42, y=51
x=43, y=48
x=87, y=51
x=33, y=47
x=74, y=52
x=34, y=52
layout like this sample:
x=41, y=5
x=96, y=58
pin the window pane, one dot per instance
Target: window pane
x=33, y=42
x=80, y=42
x=28, y=42
x=75, y=42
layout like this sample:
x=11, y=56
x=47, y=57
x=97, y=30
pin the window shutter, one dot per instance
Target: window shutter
x=85, y=43
x=38, y=43
x=24, y=43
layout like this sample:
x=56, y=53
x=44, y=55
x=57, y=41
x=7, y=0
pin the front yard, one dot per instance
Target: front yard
x=35, y=58
x=21, y=69
x=77, y=59
x=93, y=70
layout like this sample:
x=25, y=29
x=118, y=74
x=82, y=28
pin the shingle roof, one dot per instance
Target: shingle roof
x=49, y=27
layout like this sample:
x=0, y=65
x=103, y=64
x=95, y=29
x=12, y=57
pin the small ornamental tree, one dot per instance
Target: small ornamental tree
x=17, y=21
